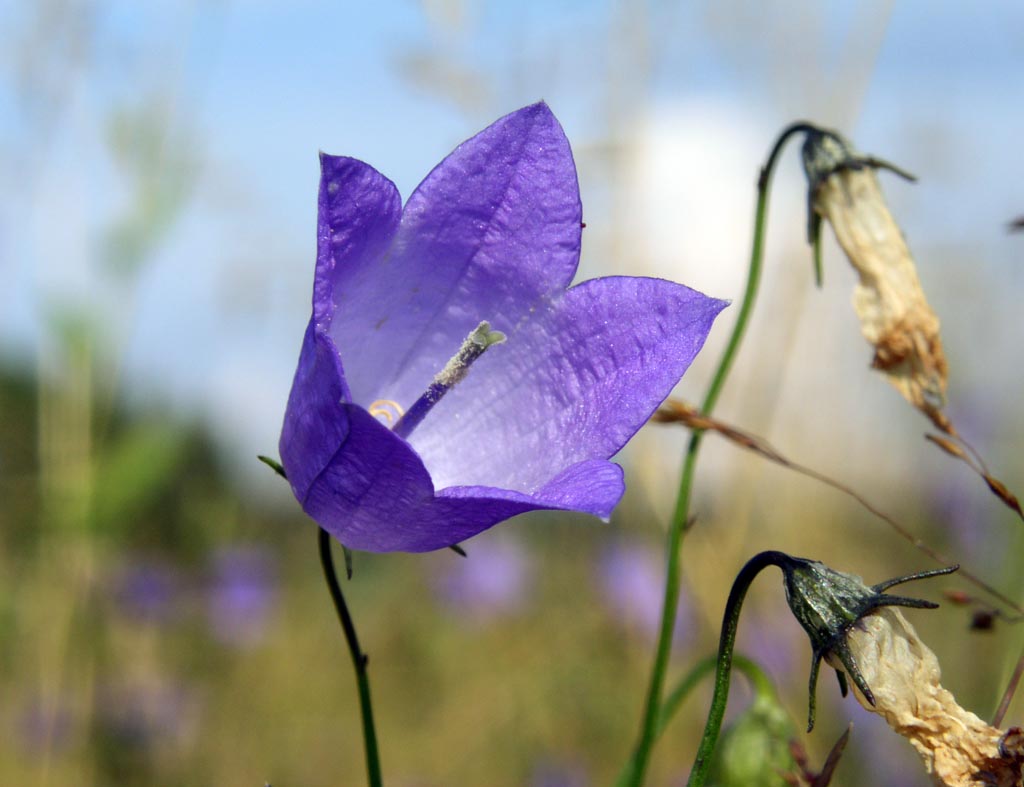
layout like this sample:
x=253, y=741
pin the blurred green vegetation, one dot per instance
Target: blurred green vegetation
x=160, y=626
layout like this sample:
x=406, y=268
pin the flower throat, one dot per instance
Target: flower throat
x=479, y=339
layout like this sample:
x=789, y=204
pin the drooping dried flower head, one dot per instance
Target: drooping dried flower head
x=829, y=604
x=894, y=314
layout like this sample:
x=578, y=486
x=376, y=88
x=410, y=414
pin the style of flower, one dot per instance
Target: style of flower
x=390, y=440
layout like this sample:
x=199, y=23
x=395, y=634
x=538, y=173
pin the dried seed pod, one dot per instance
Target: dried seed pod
x=894, y=314
x=957, y=748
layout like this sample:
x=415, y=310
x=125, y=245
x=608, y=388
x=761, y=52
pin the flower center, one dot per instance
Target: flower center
x=453, y=373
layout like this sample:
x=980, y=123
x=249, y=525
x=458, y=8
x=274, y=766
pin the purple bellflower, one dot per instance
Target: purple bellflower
x=632, y=580
x=390, y=440
x=241, y=595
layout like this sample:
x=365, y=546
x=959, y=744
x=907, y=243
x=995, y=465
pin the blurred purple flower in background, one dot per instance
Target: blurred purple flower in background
x=148, y=591
x=559, y=773
x=492, y=581
x=961, y=510
x=632, y=582
x=146, y=715
x=241, y=595
x=44, y=727
x=492, y=234
x=769, y=637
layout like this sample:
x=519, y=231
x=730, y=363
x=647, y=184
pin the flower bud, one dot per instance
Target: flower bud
x=755, y=750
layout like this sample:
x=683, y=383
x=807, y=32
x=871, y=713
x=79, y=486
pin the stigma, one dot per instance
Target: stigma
x=386, y=410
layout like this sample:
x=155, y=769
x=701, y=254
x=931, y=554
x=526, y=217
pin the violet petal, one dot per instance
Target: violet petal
x=376, y=495
x=573, y=383
x=493, y=228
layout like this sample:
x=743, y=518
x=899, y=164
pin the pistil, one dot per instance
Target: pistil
x=453, y=373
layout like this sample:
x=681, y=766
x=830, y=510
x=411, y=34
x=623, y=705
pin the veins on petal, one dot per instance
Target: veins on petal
x=457, y=281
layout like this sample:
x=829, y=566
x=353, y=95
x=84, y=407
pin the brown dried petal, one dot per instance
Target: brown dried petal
x=894, y=314
x=957, y=748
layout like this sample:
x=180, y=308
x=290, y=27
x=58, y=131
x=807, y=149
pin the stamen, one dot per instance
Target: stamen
x=453, y=373
x=388, y=409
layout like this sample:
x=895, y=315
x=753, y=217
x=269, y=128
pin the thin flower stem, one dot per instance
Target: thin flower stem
x=1011, y=689
x=726, y=642
x=359, y=660
x=761, y=683
x=677, y=529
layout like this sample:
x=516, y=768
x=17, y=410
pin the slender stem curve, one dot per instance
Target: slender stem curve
x=726, y=642
x=359, y=659
x=761, y=683
x=677, y=530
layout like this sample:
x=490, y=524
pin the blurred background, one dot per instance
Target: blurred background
x=163, y=619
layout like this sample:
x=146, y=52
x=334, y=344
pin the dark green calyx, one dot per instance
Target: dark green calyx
x=829, y=603
x=826, y=153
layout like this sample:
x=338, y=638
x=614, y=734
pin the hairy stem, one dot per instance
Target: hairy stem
x=359, y=660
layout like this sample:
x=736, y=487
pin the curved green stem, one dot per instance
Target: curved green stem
x=726, y=642
x=760, y=681
x=677, y=530
x=359, y=660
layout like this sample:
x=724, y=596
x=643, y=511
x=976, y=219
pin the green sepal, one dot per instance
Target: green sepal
x=348, y=561
x=274, y=465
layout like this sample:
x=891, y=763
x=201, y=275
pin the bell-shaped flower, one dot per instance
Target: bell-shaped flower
x=391, y=441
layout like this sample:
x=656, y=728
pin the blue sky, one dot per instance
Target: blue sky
x=250, y=91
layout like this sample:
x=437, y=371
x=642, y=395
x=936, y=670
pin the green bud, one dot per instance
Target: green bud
x=754, y=751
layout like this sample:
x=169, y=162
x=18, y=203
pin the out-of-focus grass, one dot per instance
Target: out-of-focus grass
x=183, y=635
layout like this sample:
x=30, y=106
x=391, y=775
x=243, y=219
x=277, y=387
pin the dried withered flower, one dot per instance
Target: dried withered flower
x=829, y=604
x=894, y=314
x=957, y=748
